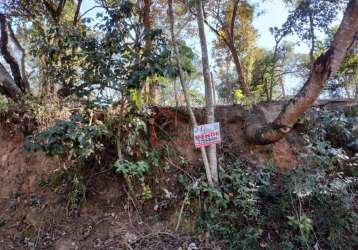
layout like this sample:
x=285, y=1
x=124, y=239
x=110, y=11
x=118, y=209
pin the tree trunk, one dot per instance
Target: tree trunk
x=8, y=86
x=240, y=73
x=324, y=67
x=210, y=109
x=147, y=23
x=14, y=66
x=235, y=56
x=213, y=87
x=76, y=17
x=186, y=97
x=13, y=86
x=23, y=56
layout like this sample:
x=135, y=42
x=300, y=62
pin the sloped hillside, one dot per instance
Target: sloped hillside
x=48, y=204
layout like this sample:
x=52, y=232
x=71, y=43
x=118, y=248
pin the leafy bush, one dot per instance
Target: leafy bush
x=309, y=208
x=77, y=138
x=338, y=129
x=232, y=212
x=131, y=168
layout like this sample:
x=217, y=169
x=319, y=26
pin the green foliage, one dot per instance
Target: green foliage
x=146, y=192
x=314, y=206
x=309, y=208
x=302, y=223
x=76, y=138
x=327, y=200
x=333, y=133
x=188, y=58
x=239, y=96
x=91, y=59
x=136, y=169
x=269, y=70
x=322, y=13
x=233, y=209
x=344, y=83
x=76, y=195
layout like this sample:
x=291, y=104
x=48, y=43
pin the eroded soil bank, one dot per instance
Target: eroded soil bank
x=35, y=210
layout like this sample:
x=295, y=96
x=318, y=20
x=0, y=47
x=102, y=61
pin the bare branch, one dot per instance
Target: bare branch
x=223, y=38
x=89, y=10
x=55, y=11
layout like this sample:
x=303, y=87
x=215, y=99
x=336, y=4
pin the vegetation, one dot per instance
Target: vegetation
x=90, y=87
x=311, y=207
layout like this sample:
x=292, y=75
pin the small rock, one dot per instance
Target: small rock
x=192, y=246
x=130, y=237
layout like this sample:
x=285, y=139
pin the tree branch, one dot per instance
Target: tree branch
x=15, y=70
x=23, y=56
x=50, y=8
x=60, y=7
x=217, y=32
x=77, y=13
x=8, y=85
x=90, y=9
x=233, y=18
x=55, y=11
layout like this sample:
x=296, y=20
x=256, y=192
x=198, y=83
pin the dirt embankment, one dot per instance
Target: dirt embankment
x=33, y=217
x=175, y=125
x=20, y=172
x=172, y=127
x=36, y=217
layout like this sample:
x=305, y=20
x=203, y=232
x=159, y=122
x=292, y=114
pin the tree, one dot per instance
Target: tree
x=226, y=80
x=323, y=68
x=42, y=21
x=210, y=108
x=229, y=30
x=310, y=17
x=86, y=60
x=145, y=14
x=270, y=69
x=194, y=122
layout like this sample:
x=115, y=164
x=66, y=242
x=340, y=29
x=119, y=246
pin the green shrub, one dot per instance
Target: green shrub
x=233, y=213
x=313, y=207
x=77, y=138
x=136, y=169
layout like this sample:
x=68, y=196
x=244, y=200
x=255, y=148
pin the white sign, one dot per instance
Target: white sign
x=207, y=134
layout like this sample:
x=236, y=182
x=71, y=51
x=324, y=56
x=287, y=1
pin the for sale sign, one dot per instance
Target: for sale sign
x=207, y=134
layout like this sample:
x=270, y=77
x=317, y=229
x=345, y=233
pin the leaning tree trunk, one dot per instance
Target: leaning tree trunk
x=324, y=67
x=210, y=109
